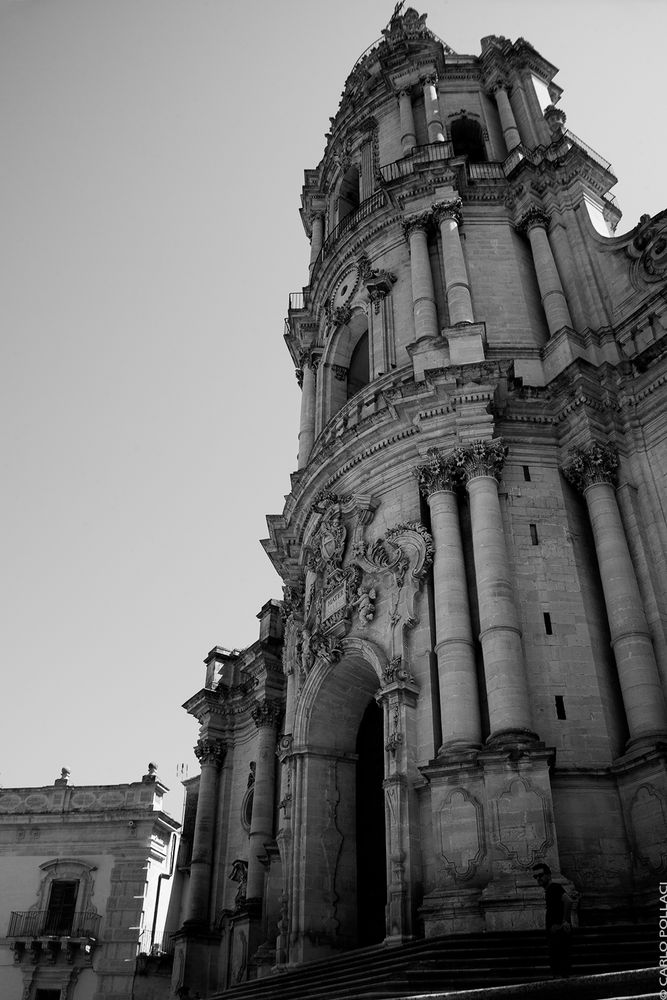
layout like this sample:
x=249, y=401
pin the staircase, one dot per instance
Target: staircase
x=503, y=965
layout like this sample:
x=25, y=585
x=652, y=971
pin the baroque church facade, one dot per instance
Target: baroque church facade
x=467, y=673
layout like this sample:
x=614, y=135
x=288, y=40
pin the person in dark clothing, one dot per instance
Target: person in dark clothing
x=557, y=921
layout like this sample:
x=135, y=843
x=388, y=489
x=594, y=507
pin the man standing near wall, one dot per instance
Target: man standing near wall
x=557, y=921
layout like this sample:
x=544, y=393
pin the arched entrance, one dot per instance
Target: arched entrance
x=370, y=829
x=338, y=885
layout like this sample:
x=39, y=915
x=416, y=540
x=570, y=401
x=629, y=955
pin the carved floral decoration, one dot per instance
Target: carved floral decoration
x=346, y=574
x=597, y=463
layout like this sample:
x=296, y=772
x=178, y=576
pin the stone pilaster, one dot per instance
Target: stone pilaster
x=592, y=471
x=408, y=132
x=423, y=296
x=436, y=132
x=266, y=717
x=459, y=697
x=457, y=288
x=307, y=418
x=211, y=754
x=534, y=223
x=500, y=634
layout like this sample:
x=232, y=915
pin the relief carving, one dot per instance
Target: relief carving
x=461, y=833
x=522, y=823
x=648, y=814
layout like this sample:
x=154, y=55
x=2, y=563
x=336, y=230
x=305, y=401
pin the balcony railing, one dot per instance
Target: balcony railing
x=45, y=923
x=433, y=152
x=352, y=220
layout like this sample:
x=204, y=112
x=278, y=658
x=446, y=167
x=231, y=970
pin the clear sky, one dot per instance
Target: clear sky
x=153, y=157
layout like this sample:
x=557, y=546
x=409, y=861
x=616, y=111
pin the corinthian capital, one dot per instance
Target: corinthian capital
x=266, y=714
x=448, y=210
x=597, y=463
x=210, y=751
x=534, y=217
x=413, y=222
x=438, y=475
x=480, y=458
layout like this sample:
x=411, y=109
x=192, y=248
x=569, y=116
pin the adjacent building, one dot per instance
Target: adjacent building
x=85, y=874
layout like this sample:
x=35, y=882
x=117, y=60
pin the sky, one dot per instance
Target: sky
x=153, y=158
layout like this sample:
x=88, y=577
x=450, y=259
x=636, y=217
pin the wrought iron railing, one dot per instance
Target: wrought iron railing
x=485, y=171
x=46, y=923
x=432, y=152
x=352, y=220
x=605, y=164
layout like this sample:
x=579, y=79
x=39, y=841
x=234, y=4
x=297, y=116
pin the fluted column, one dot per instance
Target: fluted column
x=317, y=238
x=308, y=382
x=459, y=697
x=500, y=633
x=423, y=295
x=593, y=472
x=408, y=132
x=457, y=288
x=436, y=133
x=534, y=224
x=507, y=119
x=211, y=753
x=266, y=717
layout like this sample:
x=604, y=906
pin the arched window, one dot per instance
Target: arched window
x=348, y=194
x=359, y=371
x=468, y=139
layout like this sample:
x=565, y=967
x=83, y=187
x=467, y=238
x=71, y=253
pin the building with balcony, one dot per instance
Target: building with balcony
x=85, y=873
x=474, y=646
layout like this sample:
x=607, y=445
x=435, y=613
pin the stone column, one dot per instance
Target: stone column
x=423, y=295
x=316, y=239
x=507, y=119
x=408, y=133
x=457, y=289
x=534, y=223
x=593, y=472
x=459, y=698
x=436, y=133
x=307, y=380
x=500, y=633
x=381, y=322
x=266, y=717
x=211, y=753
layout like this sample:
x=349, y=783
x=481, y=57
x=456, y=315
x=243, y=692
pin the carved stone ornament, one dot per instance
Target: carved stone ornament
x=210, y=751
x=555, y=119
x=419, y=221
x=396, y=672
x=597, y=463
x=341, y=315
x=534, y=217
x=438, y=475
x=239, y=874
x=339, y=372
x=345, y=574
x=649, y=252
x=448, y=210
x=479, y=458
x=267, y=714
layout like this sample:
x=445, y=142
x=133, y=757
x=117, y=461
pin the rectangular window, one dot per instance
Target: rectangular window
x=533, y=534
x=48, y=995
x=547, y=623
x=526, y=473
x=560, y=707
x=61, y=908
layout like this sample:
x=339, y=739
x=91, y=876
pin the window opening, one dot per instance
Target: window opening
x=526, y=473
x=533, y=534
x=348, y=195
x=359, y=371
x=547, y=623
x=468, y=139
x=560, y=707
x=61, y=907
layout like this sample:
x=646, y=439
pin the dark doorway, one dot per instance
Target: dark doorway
x=371, y=853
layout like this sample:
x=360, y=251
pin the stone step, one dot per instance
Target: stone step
x=454, y=964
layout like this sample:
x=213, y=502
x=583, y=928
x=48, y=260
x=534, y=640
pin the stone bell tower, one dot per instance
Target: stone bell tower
x=473, y=541
x=474, y=655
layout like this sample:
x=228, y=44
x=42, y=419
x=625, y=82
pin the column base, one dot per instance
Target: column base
x=514, y=737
